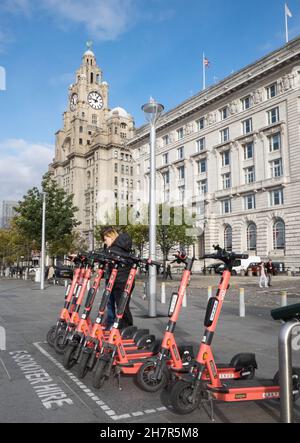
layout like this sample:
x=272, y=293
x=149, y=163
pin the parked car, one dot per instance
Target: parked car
x=215, y=266
x=255, y=268
x=242, y=265
x=279, y=267
x=65, y=273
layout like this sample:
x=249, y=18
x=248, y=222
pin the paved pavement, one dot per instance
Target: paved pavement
x=26, y=313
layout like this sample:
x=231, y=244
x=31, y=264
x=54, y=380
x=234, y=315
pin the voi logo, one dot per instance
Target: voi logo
x=296, y=339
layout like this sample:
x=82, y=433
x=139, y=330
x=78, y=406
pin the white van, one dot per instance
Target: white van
x=242, y=265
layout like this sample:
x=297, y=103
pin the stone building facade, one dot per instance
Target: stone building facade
x=232, y=153
x=92, y=160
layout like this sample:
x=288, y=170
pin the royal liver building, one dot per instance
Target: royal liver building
x=232, y=154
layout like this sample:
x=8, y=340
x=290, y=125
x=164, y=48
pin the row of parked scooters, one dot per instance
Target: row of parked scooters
x=156, y=364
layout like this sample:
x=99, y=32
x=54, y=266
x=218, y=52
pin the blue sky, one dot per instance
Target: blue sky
x=145, y=47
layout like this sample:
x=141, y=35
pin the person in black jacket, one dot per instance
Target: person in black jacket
x=118, y=243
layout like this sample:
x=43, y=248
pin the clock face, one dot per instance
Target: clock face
x=73, y=102
x=95, y=100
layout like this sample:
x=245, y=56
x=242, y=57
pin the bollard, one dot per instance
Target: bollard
x=212, y=271
x=163, y=293
x=243, y=273
x=209, y=292
x=250, y=273
x=184, y=300
x=242, y=302
x=283, y=298
x=289, y=273
x=145, y=287
x=66, y=283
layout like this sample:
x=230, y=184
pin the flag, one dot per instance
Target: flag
x=206, y=62
x=287, y=11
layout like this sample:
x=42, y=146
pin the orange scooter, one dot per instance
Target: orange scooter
x=190, y=389
x=113, y=354
x=72, y=293
x=157, y=371
x=132, y=338
x=86, y=328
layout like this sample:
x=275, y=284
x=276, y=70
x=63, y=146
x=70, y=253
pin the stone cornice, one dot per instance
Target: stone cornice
x=263, y=67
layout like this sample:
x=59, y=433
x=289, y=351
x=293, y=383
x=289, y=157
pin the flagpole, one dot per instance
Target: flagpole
x=204, y=79
x=286, y=26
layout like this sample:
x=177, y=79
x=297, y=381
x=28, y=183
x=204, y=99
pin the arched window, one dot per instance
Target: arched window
x=228, y=238
x=251, y=237
x=279, y=234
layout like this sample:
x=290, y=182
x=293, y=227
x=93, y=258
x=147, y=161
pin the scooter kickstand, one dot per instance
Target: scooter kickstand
x=118, y=376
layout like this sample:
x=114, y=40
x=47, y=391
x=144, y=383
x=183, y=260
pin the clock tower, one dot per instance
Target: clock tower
x=91, y=153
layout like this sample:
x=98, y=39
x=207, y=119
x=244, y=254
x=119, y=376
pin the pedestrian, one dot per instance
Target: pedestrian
x=50, y=274
x=118, y=243
x=168, y=272
x=270, y=271
x=263, y=280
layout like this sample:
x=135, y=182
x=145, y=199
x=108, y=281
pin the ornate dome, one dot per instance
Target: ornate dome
x=119, y=112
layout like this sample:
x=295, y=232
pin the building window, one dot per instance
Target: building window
x=247, y=126
x=228, y=238
x=226, y=158
x=271, y=91
x=226, y=179
x=80, y=141
x=166, y=178
x=180, y=153
x=116, y=154
x=180, y=134
x=252, y=237
x=249, y=175
x=201, y=166
x=224, y=113
x=166, y=140
x=250, y=202
x=273, y=116
x=202, y=187
x=80, y=129
x=224, y=135
x=200, y=124
x=248, y=151
x=226, y=206
x=123, y=125
x=275, y=142
x=122, y=169
x=181, y=172
x=92, y=77
x=116, y=167
x=276, y=168
x=166, y=158
x=181, y=193
x=276, y=197
x=279, y=235
x=116, y=181
x=201, y=144
x=246, y=103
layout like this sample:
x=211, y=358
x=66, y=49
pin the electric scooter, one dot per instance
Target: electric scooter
x=76, y=339
x=71, y=295
x=157, y=371
x=113, y=353
x=190, y=390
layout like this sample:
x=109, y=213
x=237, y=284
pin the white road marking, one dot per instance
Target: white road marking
x=5, y=368
x=80, y=399
x=108, y=411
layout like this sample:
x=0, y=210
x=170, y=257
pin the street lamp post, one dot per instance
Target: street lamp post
x=153, y=111
x=43, y=242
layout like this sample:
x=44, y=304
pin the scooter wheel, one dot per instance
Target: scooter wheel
x=180, y=398
x=51, y=336
x=69, y=361
x=83, y=369
x=295, y=382
x=128, y=332
x=59, y=344
x=145, y=380
x=99, y=375
x=145, y=341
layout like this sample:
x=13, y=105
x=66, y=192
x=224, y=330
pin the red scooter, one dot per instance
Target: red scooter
x=190, y=389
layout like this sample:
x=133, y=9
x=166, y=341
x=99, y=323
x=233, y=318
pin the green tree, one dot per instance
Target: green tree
x=60, y=217
x=173, y=229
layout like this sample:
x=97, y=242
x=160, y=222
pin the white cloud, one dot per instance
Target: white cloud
x=22, y=165
x=15, y=6
x=103, y=19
